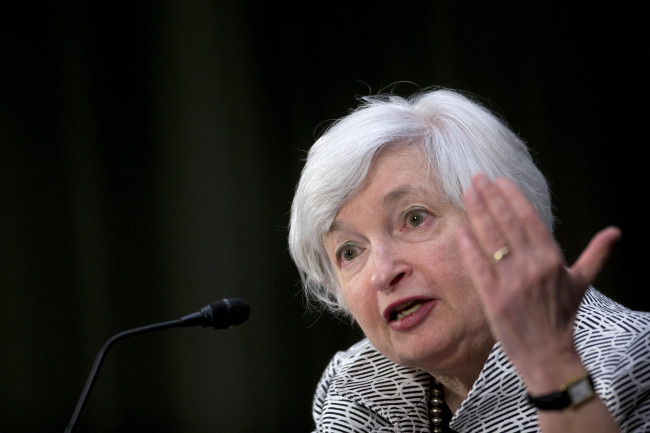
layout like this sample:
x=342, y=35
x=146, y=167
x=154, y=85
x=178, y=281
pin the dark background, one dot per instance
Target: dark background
x=149, y=152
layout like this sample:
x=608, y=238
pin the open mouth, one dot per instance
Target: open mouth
x=405, y=309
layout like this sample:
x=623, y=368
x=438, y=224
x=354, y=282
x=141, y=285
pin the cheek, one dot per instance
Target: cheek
x=361, y=302
x=460, y=292
x=354, y=296
x=443, y=257
x=450, y=271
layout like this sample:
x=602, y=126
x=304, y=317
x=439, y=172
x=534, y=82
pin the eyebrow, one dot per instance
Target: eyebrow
x=398, y=193
x=391, y=197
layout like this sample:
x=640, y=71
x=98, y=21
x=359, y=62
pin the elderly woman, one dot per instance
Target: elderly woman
x=426, y=221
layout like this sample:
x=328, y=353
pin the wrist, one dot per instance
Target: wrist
x=545, y=373
x=570, y=395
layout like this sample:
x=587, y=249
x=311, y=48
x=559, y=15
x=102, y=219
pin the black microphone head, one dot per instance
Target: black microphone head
x=226, y=313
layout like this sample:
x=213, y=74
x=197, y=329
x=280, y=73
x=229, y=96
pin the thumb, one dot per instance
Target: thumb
x=593, y=258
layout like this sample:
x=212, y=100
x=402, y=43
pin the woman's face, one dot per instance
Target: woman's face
x=394, y=252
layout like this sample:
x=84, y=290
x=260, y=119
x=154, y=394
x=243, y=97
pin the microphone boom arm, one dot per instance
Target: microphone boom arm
x=221, y=314
x=94, y=372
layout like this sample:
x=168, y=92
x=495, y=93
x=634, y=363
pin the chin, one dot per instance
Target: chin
x=420, y=351
x=414, y=358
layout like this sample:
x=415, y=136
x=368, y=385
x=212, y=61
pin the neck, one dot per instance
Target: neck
x=454, y=394
x=457, y=382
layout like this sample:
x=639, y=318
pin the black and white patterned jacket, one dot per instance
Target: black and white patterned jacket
x=362, y=391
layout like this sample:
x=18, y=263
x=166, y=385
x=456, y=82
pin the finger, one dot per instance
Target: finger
x=534, y=228
x=588, y=265
x=499, y=211
x=480, y=219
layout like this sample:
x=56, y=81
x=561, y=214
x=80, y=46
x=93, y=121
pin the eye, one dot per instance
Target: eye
x=415, y=217
x=347, y=252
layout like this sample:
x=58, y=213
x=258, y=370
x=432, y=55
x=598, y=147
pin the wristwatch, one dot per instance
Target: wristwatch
x=571, y=395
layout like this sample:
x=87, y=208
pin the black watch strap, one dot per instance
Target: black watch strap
x=570, y=395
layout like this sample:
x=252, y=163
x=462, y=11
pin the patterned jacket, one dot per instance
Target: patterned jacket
x=362, y=391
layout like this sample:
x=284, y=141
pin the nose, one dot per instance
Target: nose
x=389, y=267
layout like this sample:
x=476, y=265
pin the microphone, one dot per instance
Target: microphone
x=221, y=314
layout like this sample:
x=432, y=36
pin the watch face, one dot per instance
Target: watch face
x=580, y=391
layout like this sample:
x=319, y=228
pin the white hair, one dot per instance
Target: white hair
x=461, y=137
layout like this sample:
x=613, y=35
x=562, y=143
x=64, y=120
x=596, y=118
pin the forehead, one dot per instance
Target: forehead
x=396, y=173
x=405, y=163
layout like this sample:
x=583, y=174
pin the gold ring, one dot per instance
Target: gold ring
x=500, y=254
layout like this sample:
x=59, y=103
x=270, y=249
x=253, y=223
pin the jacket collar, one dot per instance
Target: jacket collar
x=401, y=394
x=397, y=393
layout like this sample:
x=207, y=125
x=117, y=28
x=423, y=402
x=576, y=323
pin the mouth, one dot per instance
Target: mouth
x=407, y=314
x=403, y=309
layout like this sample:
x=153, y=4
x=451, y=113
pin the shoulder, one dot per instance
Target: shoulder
x=605, y=328
x=330, y=410
x=601, y=313
x=357, y=350
x=344, y=363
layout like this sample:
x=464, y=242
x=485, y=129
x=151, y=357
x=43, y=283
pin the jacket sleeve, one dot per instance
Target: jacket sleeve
x=631, y=387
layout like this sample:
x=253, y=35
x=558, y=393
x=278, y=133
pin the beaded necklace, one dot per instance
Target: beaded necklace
x=439, y=413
